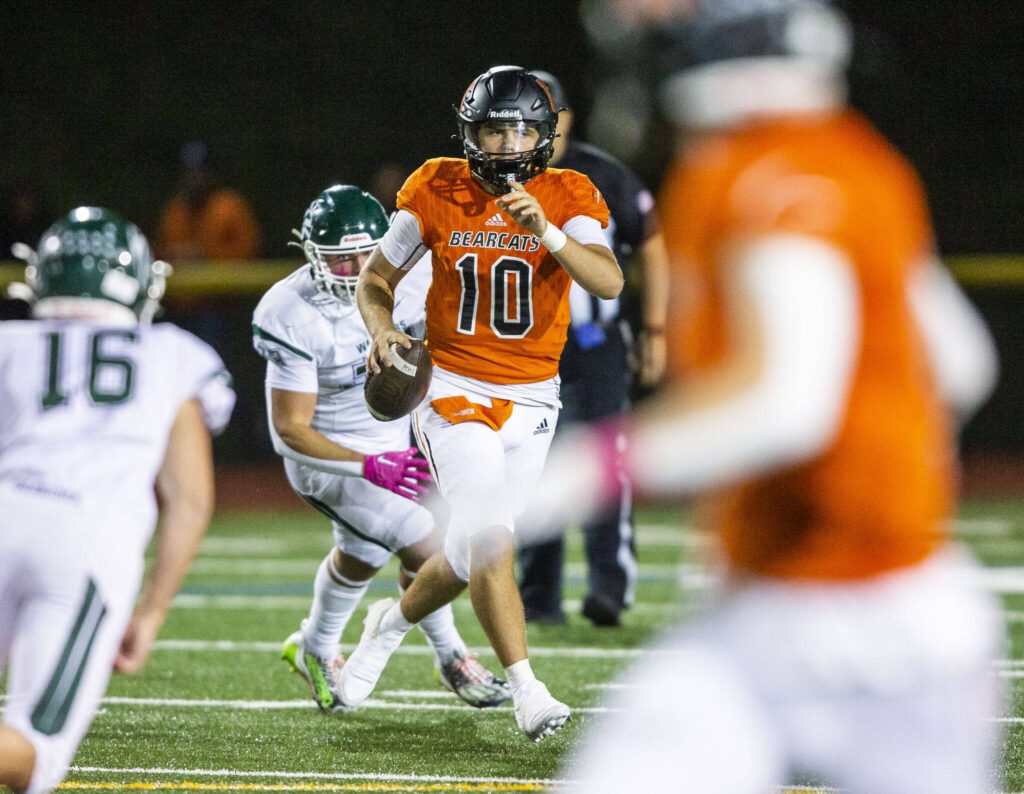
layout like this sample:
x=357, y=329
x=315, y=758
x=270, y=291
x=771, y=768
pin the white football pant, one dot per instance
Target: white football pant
x=486, y=476
x=877, y=687
x=67, y=589
x=369, y=522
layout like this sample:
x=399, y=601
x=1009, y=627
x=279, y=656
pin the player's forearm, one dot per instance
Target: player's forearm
x=181, y=530
x=593, y=267
x=185, y=489
x=654, y=270
x=304, y=440
x=376, y=300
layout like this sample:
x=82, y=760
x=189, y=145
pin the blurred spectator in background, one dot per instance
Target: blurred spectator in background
x=25, y=215
x=386, y=182
x=596, y=369
x=204, y=220
x=820, y=359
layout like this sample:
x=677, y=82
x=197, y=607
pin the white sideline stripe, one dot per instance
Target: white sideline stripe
x=283, y=705
x=318, y=775
x=410, y=650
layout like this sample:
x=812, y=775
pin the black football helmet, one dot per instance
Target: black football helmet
x=515, y=102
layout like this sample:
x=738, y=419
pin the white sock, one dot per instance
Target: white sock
x=439, y=629
x=519, y=675
x=394, y=623
x=335, y=598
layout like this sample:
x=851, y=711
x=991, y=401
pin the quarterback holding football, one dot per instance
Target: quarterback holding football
x=497, y=314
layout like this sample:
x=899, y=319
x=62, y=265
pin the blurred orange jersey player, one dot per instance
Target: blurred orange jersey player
x=820, y=356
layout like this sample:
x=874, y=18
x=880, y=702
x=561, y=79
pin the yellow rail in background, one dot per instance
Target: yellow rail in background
x=226, y=279
x=204, y=279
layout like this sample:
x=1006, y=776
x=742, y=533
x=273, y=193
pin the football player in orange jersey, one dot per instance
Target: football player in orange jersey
x=821, y=357
x=497, y=313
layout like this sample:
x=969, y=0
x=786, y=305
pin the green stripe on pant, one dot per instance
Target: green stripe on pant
x=51, y=712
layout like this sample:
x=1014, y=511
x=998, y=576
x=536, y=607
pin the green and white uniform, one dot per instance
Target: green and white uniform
x=315, y=344
x=88, y=406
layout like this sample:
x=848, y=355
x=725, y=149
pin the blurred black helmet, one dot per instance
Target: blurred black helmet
x=725, y=30
x=507, y=121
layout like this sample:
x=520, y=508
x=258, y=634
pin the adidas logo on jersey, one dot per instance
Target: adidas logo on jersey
x=542, y=428
x=495, y=220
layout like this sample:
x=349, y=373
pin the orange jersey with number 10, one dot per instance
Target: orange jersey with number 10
x=498, y=307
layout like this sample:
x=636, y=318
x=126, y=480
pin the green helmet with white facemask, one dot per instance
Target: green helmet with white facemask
x=93, y=263
x=341, y=221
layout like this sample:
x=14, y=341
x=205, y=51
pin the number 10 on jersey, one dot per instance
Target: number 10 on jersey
x=511, y=310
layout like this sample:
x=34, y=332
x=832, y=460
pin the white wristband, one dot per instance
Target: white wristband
x=553, y=239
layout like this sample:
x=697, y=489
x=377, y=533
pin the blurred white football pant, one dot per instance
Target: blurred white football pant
x=878, y=687
x=486, y=476
x=67, y=589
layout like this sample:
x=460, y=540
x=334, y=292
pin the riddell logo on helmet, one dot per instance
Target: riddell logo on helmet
x=361, y=237
x=511, y=113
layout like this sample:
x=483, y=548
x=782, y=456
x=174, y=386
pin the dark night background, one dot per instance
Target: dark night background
x=97, y=99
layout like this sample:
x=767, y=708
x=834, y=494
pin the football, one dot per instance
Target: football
x=398, y=389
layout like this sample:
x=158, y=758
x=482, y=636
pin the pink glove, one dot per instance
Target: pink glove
x=405, y=473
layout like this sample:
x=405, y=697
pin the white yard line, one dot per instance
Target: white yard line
x=404, y=650
x=317, y=775
x=989, y=527
x=428, y=694
x=1008, y=580
x=246, y=546
x=200, y=601
x=370, y=776
x=296, y=566
x=257, y=566
x=287, y=705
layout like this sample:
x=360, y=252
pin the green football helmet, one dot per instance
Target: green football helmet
x=341, y=221
x=93, y=263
